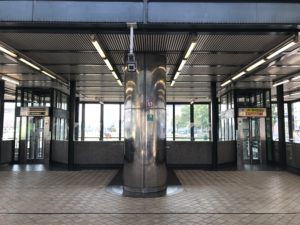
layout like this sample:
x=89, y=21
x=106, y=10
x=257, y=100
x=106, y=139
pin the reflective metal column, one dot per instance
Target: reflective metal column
x=144, y=170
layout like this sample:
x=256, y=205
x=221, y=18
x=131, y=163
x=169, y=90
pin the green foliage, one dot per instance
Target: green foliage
x=201, y=116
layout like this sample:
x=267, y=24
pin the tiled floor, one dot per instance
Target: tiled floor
x=209, y=197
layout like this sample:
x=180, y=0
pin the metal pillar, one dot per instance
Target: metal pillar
x=192, y=122
x=72, y=103
x=281, y=128
x=214, y=124
x=145, y=127
x=2, y=90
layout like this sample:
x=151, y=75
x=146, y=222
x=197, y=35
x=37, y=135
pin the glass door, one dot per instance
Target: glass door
x=250, y=135
x=35, y=139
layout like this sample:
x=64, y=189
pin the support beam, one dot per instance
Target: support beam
x=72, y=103
x=214, y=124
x=2, y=90
x=281, y=127
x=192, y=122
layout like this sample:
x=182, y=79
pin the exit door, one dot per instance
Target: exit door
x=251, y=139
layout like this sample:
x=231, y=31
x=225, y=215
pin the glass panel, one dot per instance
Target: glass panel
x=9, y=121
x=286, y=123
x=80, y=121
x=62, y=129
x=17, y=135
x=255, y=138
x=169, y=120
x=122, y=122
x=296, y=121
x=245, y=137
x=111, y=122
x=92, y=122
x=201, y=122
x=182, y=123
x=57, y=126
x=274, y=123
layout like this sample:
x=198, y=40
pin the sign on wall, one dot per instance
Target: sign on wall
x=252, y=112
x=34, y=111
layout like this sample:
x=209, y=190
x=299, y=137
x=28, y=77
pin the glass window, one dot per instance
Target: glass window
x=182, y=123
x=9, y=121
x=122, y=122
x=92, y=122
x=57, y=126
x=80, y=121
x=296, y=121
x=275, y=135
x=62, y=129
x=274, y=123
x=201, y=122
x=169, y=122
x=111, y=122
x=286, y=123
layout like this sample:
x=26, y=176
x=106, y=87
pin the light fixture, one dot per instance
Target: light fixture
x=98, y=48
x=296, y=78
x=177, y=75
x=181, y=64
x=239, y=75
x=48, y=74
x=29, y=64
x=8, y=79
x=282, y=82
x=119, y=82
x=191, y=48
x=192, y=102
x=184, y=60
x=115, y=75
x=225, y=83
x=281, y=50
x=2, y=49
x=295, y=93
x=255, y=65
x=108, y=64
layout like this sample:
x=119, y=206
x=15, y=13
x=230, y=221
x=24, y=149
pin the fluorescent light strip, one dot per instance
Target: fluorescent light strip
x=176, y=75
x=296, y=78
x=115, y=75
x=296, y=93
x=48, y=74
x=256, y=65
x=239, y=75
x=8, y=52
x=225, y=83
x=29, y=64
x=281, y=50
x=13, y=81
x=99, y=49
x=191, y=48
x=181, y=65
x=119, y=82
x=108, y=64
x=172, y=83
x=282, y=82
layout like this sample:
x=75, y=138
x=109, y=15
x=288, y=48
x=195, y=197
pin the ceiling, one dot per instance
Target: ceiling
x=216, y=57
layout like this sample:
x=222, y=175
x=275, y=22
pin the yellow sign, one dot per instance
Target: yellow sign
x=253, y=112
